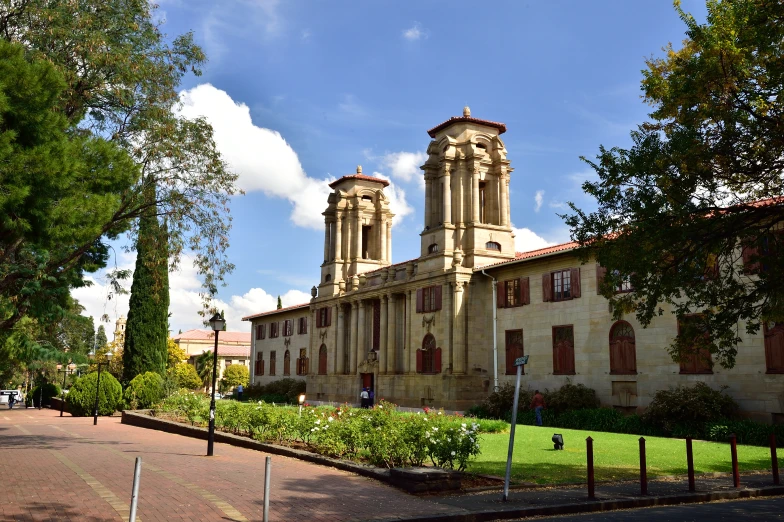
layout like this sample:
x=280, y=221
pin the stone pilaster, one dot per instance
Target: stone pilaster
x=459, y=345
x=361, y=327
x=340, y=367
x=447, y=217
x=382, y=348
x=353, y=343
x=391, y=334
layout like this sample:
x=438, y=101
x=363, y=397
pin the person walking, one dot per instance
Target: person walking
x=11, y=400
x=537, y=404
x=240, y=389
x=364, y=397
x=371, y=398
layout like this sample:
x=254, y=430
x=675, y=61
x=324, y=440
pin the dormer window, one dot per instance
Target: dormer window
x=432, y=249
x=492, y=245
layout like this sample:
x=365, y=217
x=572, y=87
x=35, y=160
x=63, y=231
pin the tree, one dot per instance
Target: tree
x=204, y=368
x=186, y=376
x=280, y=303
x=235, y=375
x=115, y=366
x=176, y=354
x=119, y=71
x=147, y=328
x=691, y=214
x=100, y=338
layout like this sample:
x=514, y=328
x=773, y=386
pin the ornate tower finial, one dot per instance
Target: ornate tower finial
x=359, y=169
x=466, y=111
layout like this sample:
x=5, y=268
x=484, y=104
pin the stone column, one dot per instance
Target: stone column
x=353, y=340
x=388, y=224
x=383, y=250
x=361, y=346
x=411, y=359
x=327, y=227
x=447, y=217
x=314, y=346
x=504, y=200
x=428, y=202
x=475, y=196
x=358, y=234
x=390, y=333
x=338, y=236
x=458, y=356
x=340, y=367
x=349, y=235
x=446, y=345
x=382, y=342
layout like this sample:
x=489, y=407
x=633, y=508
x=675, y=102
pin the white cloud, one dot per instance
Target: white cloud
x=397, y=200
x=526, y=239
x=184, y=300
x=415, y=32
x=538, y=198
x=404, y=165
x=262, y=157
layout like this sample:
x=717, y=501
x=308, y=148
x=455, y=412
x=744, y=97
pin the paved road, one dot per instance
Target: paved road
x=728, y=511
x=65, y=468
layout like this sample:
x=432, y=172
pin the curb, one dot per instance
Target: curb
x=599, y=506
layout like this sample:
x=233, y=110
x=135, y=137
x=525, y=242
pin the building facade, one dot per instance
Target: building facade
x=443, y=329
x=233, y=347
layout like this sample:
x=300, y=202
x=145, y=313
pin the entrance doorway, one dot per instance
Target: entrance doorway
x=367, y=380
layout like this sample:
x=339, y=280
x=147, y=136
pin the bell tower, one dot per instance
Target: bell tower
x=357, y=232
x=466, y=195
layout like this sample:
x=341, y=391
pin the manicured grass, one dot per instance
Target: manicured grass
x=616, y=456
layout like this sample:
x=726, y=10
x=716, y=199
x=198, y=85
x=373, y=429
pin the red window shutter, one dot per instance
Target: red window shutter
x=575, y=281
x=419, y=301
x=329, y=316
x=262, y=368
x=438, y=297
x=419, y=361
x=600, y=273
x=525, y=291
x=437, y=366
x=318, y=318
x=547, y=288
x=500, y=289
x=304, y=325
x=751, y=258
x=258, y=331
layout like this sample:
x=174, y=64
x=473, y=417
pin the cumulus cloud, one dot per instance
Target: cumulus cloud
x=538, y=198
x=526, y=239
x=262, y=157
x=397, y=200
x=404, y=165
x=414, y=32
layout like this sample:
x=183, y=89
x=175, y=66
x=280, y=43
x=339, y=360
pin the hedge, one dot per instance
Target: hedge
x=81, y=397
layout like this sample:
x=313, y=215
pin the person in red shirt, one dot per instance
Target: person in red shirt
x=537, y=404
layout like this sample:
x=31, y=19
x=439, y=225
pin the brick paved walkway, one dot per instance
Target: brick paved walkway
x=65, y=468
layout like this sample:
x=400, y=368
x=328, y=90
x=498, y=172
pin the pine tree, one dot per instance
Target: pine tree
x=280, y=303
x=100, y=338
x=146, y=331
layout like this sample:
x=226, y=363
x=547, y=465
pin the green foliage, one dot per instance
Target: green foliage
x=144, y=391
x=186, y=376
x=676, y=210
x=235, y=375
x=288, y=388
x=44, y=396
x=81, y=396
x=100, y=338
x=689, y=407
x=204, y=364
x=175, y=353
x=571, y=397
x=498, y=404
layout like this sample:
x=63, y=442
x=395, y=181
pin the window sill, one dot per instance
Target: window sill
x=564, y=373
x=696, y=373
x=428, y=373
x=624, y=373
x=774, y=372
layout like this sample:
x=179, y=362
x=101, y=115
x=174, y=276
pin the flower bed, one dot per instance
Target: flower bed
x=381, y=436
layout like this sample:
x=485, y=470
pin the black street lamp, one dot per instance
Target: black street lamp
x=68, y=369
x=109, y=355
x=217, y=322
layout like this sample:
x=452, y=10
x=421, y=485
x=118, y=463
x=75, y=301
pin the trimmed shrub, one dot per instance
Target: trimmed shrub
x=144, y=391
x=290, y=388
x=81, y=397
x=235, y=375
x=571, y=397
x=44, y=395
x=498, y=404
x=684, y=410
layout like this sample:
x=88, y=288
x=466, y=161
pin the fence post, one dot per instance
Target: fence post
x=267, y=473
x=690, y=464
x=774, y=460
x=643, y=469
x=589, y=450
x=734, y=451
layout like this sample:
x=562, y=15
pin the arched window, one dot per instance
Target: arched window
x=323, y=360
x=328, y=278
x=287, y=363
x=432, y=249
x=492, y=245
x=428, y=359
x=623, y=356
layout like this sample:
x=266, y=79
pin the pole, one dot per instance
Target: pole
x=690, y=464
x=137, y=472
x=97, y=392
x=267, y=473
x=589, y=451
x=62, y=394
x=643, y=469
x=734, y=452
x=495, y=330
x=774, y=460
x=512, y=434
x=211, y=437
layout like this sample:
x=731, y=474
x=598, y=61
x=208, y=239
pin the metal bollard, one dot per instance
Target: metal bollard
x=643, y=469
x=734, y=452
x=137, y=472
x=589, y=450
x=774, y=460
x=267, y=471
x=690, y=464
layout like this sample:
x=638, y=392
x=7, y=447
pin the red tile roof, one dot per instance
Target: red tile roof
x=360, y=177
x=540, y=252
x=466, y=119
x=225, y=350
x=200, y=335
x=273, y=312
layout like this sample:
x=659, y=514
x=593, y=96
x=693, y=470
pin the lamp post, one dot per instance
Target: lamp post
x=216, y=322
x=109, y=356
x=68, y=369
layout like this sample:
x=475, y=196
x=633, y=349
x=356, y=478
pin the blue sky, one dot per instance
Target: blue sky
x=303, y=91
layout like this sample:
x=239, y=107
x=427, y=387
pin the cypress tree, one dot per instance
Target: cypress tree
x=100, y=338
x=146, y=331
x=280, y=303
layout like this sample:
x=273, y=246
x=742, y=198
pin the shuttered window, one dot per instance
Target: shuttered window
x=623, y=356
x=324, y=317
x=512, y=293
x=698, y=360
x=261, y=329
x=563, y=350
x=273, y=330
x=302, y=362
x=287, y=328
x=774, y=347
x=259, y=367
x=287, y=363
x=428, y=299
x=514, y=350
x=561, y=285
x=272, y=363
x=302, y=325
x=428, y=359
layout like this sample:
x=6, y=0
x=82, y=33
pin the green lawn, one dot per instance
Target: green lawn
x=616, y=456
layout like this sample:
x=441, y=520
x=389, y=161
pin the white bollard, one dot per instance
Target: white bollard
x=137, y=472
x=267, y=471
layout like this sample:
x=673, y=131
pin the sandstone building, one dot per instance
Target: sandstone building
x=233, y=347
x=443, y=329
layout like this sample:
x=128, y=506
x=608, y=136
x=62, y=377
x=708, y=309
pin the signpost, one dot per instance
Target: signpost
x=519, y=362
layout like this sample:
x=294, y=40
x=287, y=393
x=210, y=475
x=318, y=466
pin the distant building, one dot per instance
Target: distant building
x=119, y=331
x=233, y=347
